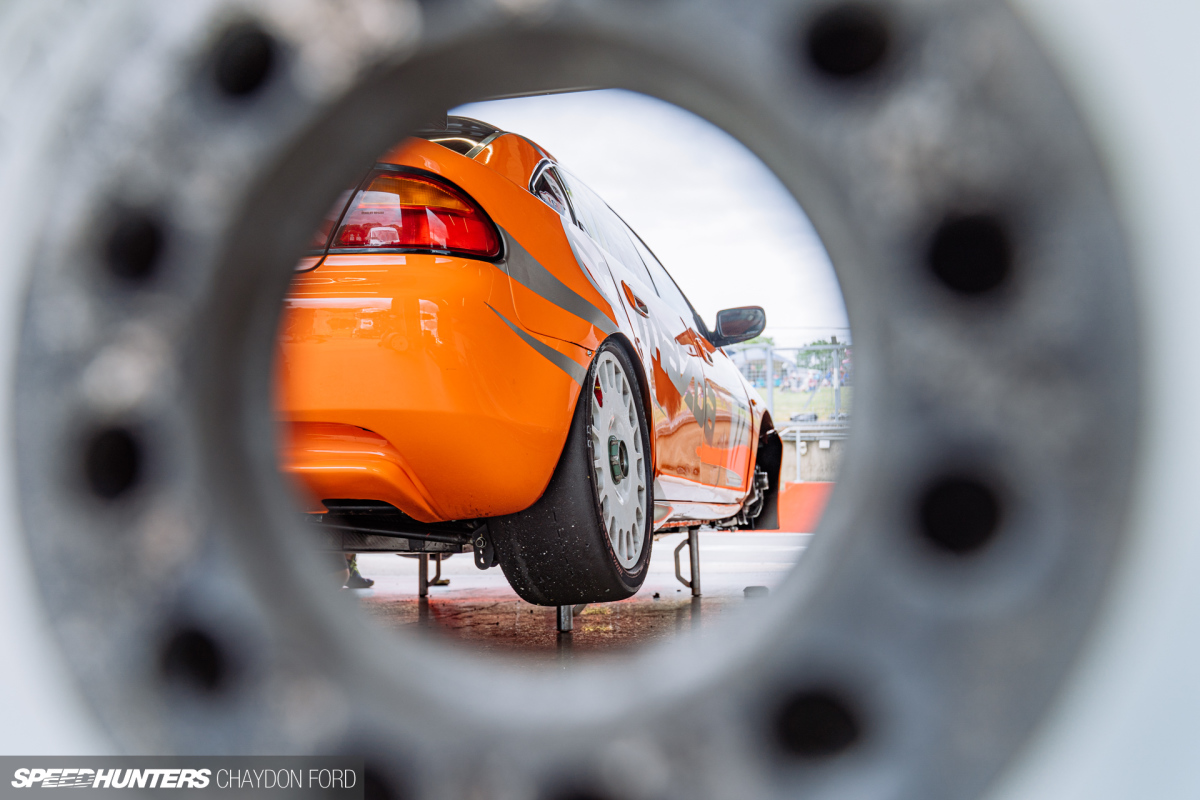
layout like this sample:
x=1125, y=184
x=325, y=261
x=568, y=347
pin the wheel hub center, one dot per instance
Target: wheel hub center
x=618, y=459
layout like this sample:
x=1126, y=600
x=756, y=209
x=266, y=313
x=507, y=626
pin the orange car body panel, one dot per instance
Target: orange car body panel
x=446, y=385
x=530, y=224
x=396, y=345
x=513, y=156
x=330, y=458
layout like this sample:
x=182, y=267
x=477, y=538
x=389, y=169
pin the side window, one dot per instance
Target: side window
x=548, y=189
x=663, y=282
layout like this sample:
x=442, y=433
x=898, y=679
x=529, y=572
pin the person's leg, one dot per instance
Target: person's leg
x=354, y=579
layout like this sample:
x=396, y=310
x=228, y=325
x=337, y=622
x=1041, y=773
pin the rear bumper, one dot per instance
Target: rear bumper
x=333, y=460
x=405, y=381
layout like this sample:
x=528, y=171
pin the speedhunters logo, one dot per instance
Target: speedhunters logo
x=80, y=777
x=328, y=777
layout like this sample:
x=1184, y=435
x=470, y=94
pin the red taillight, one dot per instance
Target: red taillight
x=399, y=210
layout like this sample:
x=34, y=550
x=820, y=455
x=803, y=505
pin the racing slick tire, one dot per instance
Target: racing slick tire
x=588, y=538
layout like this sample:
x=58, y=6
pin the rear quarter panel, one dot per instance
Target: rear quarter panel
x=415, y=349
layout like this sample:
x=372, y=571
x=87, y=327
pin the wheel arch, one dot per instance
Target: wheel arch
x=768, y=456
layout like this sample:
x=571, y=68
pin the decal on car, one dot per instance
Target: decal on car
x=527, y=271
x=563, y=362
x=686, y=376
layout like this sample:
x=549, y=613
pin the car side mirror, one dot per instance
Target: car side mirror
x=739, y=324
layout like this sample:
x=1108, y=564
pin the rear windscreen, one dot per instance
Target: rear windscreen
x=460, y=134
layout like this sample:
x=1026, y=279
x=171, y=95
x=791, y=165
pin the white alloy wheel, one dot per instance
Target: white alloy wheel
x=618, y=459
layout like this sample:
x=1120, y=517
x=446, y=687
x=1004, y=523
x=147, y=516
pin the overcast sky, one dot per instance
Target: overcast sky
x=717, y=218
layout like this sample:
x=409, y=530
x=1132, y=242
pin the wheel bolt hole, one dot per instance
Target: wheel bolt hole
x=959, y=515
x=816, y=723
x=112, y=462
x=192, y=659
x=245, y=59
x=971, y=254
x=134, y=246
x=848, y=41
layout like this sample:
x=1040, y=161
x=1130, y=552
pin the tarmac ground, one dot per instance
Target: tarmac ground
x=479, y=609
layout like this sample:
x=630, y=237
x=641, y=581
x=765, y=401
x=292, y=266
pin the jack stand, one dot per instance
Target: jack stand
x=423, y=575
x=692, y=542
x=566, y=619
x=437, y=579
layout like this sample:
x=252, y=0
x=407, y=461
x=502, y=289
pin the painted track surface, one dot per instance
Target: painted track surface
x=479, y=610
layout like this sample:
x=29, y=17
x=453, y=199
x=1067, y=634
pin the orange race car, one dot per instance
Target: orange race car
x=479, y=354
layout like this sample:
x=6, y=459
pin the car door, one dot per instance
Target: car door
x=671, y=354
x=726, y=451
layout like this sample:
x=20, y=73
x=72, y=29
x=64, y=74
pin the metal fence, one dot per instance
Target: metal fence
x=810, y=385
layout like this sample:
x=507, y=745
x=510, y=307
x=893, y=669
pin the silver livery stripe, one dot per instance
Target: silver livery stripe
x=563, y=362
x=527, y=271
